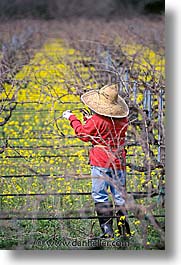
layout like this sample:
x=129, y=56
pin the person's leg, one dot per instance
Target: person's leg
x=122, y=220
x=100, y=196
x=118, y=191
x=99, y=184
x=118, y=186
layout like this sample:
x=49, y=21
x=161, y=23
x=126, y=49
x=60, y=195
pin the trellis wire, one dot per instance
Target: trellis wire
x=14, y=218
x=77, y=176
x=134, y=194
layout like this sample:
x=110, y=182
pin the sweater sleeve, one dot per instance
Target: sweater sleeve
x=85, y=132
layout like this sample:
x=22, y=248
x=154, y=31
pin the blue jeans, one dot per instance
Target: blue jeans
x=102, y=179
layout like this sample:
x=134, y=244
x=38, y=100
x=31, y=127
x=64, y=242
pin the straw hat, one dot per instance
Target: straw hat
x=106, y=102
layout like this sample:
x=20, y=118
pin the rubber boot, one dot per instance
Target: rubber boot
x=104, y=212
x=122, y=223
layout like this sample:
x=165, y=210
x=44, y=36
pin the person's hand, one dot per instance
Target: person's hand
x=86, y=114
x=86, y=117
x=66, y=114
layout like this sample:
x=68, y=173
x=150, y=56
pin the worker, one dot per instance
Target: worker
x=106, y=130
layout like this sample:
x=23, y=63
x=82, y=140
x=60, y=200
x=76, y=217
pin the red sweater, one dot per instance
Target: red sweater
x=107, y=136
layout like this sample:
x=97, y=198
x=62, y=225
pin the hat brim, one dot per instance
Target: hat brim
x=118, y=109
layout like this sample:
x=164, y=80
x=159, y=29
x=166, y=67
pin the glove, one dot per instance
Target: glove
x=66, y=114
